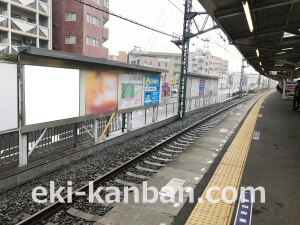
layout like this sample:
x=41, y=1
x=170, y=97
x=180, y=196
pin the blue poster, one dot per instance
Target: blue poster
x=201, y=87
x=151, y=95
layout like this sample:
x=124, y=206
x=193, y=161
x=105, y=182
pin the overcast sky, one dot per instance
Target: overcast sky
x=162, y=15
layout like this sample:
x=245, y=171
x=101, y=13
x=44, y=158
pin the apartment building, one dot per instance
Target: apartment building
x=25, y=23
x=79, y=28
x=220, y=69
x=162, y=60
x=201, y=62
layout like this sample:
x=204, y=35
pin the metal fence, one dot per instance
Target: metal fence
x=66, y=134
x=9, y=148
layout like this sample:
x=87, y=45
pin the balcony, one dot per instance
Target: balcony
x=3, y=21
x=44, y=7
x=4, y=49
x=105, y=18
x=44, y=32
x=104, y=34
x=23, y=26
x=14, y=49
x=28, y=3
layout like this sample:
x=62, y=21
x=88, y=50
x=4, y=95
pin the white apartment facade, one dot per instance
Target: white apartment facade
x=25, y=23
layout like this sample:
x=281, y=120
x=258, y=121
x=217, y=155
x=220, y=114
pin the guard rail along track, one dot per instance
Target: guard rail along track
x=54, y=207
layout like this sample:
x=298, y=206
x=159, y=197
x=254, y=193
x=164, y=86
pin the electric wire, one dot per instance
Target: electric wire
x=175, y=6
x=124, y=18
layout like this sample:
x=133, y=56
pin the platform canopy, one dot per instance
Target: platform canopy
x=275, y=36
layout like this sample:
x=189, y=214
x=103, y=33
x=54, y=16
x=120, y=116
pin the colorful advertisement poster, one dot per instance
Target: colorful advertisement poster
x=289, y=89
x=151, y=95
x=131, y=91
x=201, y=87
x=101, y=92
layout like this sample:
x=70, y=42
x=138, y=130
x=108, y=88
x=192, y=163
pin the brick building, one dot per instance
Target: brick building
x=78, y=28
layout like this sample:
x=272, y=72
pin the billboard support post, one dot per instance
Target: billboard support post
x=23, y=151
x=95, y=129
x=129, y=121
x=153, y=115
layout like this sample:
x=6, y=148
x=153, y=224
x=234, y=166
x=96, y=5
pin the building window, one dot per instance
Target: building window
x=106, y=3
x=92, y=19
x=166, y=64
x=92, y=41
x=70, y=40
x=159, y=64
x=150, y=63
x=96, y=1
x=70, y=16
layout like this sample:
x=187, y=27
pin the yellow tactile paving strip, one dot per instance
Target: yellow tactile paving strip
x=228, y=173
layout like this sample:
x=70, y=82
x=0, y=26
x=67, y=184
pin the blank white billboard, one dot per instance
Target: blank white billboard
x=50, y=94
x=195, y=87
x=8, y=97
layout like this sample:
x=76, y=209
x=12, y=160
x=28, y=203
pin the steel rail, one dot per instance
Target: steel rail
x=54, y=207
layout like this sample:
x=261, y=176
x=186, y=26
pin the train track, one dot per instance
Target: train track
x=164, y=151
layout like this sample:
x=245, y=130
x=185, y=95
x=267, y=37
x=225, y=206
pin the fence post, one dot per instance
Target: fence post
x=95, y=129
x=166, y=110
x=129, y=121
x=153, y=114
x=23, y=150
x=75, y=138
x=173, y=109
x=107, y=132
x=123, y=121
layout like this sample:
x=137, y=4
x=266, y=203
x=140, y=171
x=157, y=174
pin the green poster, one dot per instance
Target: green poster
x=127, y=91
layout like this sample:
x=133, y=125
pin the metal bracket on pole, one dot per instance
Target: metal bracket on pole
x=37, y=142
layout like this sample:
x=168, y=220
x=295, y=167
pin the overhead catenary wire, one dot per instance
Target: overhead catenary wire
x=124, y=18
x=155, y=26
x=175, y=6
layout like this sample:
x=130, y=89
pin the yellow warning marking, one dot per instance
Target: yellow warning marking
x=228, y=174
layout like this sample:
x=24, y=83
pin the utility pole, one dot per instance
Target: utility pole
x=184, y=58
x=241, y=79
x=184, y=42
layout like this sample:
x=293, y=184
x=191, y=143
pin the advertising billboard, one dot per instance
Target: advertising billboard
x=101, y=92
x=151, y=91
x=131, y=91
x=289, y=89
x=201, y=87
x=8, y=97
x=50, y=94
x=195, y=87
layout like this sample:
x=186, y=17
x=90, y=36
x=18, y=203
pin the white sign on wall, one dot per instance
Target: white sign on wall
x=131, y=91
x=8, y=97
x=50, y=94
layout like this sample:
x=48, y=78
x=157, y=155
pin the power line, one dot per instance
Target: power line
x=175, y=6
x=124, y=18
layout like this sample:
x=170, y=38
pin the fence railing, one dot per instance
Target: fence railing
x=39, y=139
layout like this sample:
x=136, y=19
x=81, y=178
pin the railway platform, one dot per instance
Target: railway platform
x=256, y=145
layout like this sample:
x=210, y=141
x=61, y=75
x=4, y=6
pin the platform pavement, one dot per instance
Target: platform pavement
x=274, y=163
x=194, y=166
